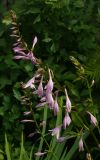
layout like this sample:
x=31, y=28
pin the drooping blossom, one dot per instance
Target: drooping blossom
x=93, y=120
x=68, y=102
x=80, y=145
x=66, y=121
x=18, y=49
x=56, y=131
x=30, y=83
x=56, y=106
x=40, y=154
x=49, y=86
x=50, y=100
x=43, y=99
x=41, y=104
x=24, y=56
x=22, y=53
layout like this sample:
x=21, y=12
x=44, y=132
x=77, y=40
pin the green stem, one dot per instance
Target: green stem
x=42, y=136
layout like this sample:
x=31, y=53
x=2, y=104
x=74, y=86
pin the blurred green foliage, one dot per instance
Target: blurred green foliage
x=64, y=28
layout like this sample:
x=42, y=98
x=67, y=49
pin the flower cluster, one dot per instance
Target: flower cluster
x=20, y=47
x=42, y=88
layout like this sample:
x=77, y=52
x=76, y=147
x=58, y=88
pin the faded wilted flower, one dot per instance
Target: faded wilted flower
x=88, y=156
x=27, y=113
x=61, y=139
x=68, y=102
x=56, y=131
x=27, y=120
x=40, y=88
x=34, y=42
x=81, y=147
x=32, y=134
x=40, y=154
x=66, y=121
x=93, y=120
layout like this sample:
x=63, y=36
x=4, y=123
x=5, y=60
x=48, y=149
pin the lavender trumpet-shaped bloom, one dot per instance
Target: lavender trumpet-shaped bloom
x=24, y=56
x=68, y=102
x=66, y=121
x=56, y=131
x=80, y=145
x=93, y=120
x=18, y=49
x=21, y=51
x=49, y=86
x=41, y=104
x=56, y=106
x=30, y=83
x=50, y=100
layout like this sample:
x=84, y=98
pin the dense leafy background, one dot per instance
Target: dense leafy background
x=64, y=28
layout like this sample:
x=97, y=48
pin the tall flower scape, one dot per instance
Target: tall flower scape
x=44, y=89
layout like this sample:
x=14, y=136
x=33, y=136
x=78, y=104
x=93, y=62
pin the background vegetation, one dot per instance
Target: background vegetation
x=64, y=28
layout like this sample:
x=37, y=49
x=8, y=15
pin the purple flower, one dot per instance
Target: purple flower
x=50, y=100
x=49, y=86
x=41, y=104
x=56, y=131
x=43, y=99
x=93, y=120
x=81, y=147
x=66, y=121
x=68, y=102
x=18, y=49
x=22, y=55
x=31, y=57
x=56, y=106
x=30, y=83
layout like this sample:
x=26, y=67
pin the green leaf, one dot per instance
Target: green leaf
x=37, y=19
x=7, y=149
x=17, y=94
x=23, y=153
x=1, y=157
x=47, y=40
